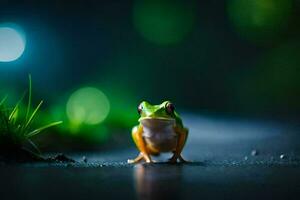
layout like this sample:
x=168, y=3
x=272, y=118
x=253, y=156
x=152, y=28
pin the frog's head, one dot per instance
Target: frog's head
x=164, y=113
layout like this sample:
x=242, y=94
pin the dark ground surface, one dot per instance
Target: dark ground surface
x=222, y=168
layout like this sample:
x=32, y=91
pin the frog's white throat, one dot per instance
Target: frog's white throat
x=157, y=123
x=159, y=134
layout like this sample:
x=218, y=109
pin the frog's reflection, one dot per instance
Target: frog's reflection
x=158, y=181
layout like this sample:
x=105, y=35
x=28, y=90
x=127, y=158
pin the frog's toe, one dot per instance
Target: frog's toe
x=172, y=160
x=148, y=160
x=136, y=160
x=133, y=161
x=130, y=161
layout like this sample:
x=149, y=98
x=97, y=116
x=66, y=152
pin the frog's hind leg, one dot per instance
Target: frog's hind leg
x=138, y=139
x=182, y=137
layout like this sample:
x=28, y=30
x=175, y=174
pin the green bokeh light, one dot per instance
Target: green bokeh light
x=259, y=19
x=163, y=22
x=77, y=133
x=87, y=106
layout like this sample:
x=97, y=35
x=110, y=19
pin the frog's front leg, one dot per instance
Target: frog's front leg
x=182, y=134
x=137, y=135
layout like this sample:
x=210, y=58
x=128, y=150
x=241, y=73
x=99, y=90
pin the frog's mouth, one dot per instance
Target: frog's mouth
x=156, y=122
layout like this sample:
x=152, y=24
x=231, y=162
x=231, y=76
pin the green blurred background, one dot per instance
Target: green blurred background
x=94, y=61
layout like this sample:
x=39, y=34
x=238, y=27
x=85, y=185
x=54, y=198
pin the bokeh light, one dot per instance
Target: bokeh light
x=12, y=43
x=259, y=19
x=88, y=106
x=163, y=22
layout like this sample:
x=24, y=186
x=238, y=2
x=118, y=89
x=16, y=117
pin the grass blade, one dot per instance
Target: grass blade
x=33, y=114
x=13, y=114
x=34, y=146
x=29, y=97
x=15, y=109
x=37, y=131
x=3, y=100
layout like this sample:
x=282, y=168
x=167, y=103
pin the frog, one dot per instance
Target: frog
x=160, y=130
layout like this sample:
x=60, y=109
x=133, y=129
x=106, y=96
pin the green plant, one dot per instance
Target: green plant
x=16, y=127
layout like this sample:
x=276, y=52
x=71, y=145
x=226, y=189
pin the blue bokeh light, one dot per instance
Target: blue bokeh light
x=12, y=43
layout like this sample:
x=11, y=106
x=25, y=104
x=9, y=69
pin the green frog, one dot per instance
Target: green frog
x=160, y=130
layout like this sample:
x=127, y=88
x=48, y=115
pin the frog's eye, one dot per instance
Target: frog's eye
x=140, y=108
x=170, y=108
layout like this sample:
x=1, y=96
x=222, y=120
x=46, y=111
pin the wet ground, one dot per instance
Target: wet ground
x=231, y=159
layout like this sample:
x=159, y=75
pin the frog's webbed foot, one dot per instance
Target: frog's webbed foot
x=139, y=158
x=174, y=159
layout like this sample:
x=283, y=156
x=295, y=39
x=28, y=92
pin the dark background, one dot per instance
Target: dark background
x=223, y=62
x=214, y=57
